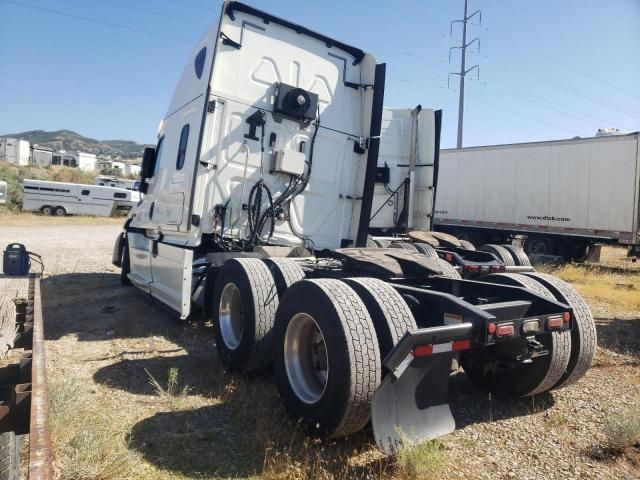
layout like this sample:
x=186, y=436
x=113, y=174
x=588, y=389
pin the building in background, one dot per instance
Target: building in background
x=14, y=150
x=41, y=156
x=132, y=169
x=81, y=160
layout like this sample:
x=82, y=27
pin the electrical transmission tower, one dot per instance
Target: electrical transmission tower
x=463, y=70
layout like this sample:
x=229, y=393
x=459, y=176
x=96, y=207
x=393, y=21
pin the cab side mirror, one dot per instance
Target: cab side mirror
x=148, y=163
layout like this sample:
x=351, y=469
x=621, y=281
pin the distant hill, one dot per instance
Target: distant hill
x=70, y=141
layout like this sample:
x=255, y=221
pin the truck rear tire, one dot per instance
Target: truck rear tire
x=519, y=257
x=244, y=307
x=448, y=270
x=371, y=243
x=404, y=245
x=60, y=212
x=390, y=314
x=467, y=245
x=584, y=337
x=326, y=359
x=426, y=249
x=285, y=272
x=382, y=243
x=526, y=379
x=499, y=251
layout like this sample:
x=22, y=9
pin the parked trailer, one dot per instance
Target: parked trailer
x=110, y=181
x=256, y=211
x=60, y=199
x=3, y=192
x=14, y=150
x=564, y=195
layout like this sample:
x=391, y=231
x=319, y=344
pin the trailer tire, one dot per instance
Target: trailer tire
x=527, y=379
x=500, y=252
x=326, y=312
x=539, y=245
x=244, y=307
x=467, y=245
x=390, y=314
x=426, y=249
x=9, y=456
x=404, y=245
x=448, y=270
x=46, y=210
x=285, y=272
x=584, y=337
x=382, y=243
x=125, y=265
x=60, y=212
x=519, y=257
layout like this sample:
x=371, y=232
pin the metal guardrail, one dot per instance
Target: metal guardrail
x=24, y=396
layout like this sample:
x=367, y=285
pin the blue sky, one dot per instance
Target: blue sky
x=548, y=69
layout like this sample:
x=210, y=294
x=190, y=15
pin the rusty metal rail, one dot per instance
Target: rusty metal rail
x=24, y=398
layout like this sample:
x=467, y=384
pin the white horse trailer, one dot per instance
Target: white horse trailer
x=3, y=193
x=60, y=199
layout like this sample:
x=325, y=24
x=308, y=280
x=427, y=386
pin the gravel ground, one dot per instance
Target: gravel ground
x=107, y=337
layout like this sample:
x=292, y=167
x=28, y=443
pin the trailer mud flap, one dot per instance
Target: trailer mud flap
x=410, y=406
x=414, y=407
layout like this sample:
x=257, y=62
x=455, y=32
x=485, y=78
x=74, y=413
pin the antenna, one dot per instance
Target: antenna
x=463, y=70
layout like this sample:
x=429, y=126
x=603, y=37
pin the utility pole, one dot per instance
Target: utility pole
x=463, y=70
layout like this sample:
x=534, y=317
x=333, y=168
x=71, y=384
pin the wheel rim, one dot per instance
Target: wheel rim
x=59, y=212
x=46, y=211
x=231, y=315
x=305, y=358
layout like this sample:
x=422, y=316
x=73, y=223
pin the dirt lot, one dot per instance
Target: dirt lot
x=135, y=394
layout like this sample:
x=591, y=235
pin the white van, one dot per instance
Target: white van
x=60, y=199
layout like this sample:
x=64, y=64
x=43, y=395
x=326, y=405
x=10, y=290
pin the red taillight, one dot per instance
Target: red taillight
x=506, y=330
x=497, y=268
x=423, y=350
x=566, y=316
x=472, y=268
x=491, y=328
x=448, y=257
x=555, y=321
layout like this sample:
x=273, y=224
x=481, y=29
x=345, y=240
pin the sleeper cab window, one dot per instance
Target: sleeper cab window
x=199, y=62
x=182, y=147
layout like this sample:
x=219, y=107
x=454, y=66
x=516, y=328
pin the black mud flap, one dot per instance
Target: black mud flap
x=410, y=406
x=413, y=407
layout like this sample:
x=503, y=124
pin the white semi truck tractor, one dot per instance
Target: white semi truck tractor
x=256, y=210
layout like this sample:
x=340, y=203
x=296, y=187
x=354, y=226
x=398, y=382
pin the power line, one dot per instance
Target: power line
x=94, y=20
x=560, y=62
x=526, y=116
x=569, y=88
x=561, y=108
x=150, y=12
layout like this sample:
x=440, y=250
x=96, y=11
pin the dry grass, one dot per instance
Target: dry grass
x=10, y=218
x=622, y=430
x=87, y=444
x=420, y=461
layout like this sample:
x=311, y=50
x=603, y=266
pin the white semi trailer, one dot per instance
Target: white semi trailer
x=60, y=199
x=258, y=199
x=563, y=195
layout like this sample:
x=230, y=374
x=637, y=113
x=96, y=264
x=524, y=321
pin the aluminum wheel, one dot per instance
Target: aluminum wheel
x=305, y=358
x=230, y=316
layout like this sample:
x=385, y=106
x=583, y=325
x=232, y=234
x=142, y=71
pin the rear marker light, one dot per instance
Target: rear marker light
x=566, y=316
x=491, y=328
x=448, y=257
x=505, y=330
x=472, y=268
x=530, y=326
x=555, y=321
x=497, y=268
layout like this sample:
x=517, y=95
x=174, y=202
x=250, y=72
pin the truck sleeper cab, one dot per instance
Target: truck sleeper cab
x=256, y=209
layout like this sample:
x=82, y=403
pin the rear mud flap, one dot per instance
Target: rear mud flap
x=410, y=406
